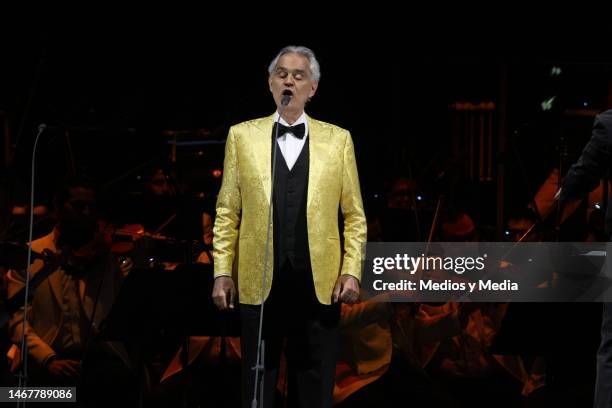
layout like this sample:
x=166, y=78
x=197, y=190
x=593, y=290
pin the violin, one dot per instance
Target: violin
x=146, y=248
x=123, y=240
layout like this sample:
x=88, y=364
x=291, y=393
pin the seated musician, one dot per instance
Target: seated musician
x=72, y=290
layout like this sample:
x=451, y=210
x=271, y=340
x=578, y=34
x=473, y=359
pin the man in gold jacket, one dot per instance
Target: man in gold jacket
x=308, y=273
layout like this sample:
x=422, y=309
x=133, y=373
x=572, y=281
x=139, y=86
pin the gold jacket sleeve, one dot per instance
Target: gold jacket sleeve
x=228, y=212
x=355, y=225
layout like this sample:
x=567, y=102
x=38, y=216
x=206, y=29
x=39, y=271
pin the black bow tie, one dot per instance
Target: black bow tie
x=297, y=130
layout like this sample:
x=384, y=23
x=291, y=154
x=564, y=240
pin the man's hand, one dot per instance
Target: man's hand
x=64, y=368
x=224, y=293
x=346, y=290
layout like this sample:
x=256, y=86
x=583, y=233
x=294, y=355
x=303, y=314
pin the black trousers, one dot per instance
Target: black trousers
x=307, y=330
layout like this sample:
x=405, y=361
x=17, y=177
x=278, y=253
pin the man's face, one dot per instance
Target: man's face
x=77, y=217
x=401, y=195
x=159, y=185
x=81, y=202
x=292, y=75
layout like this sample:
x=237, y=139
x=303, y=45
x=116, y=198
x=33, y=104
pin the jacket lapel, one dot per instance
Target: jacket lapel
x=55, y=278
x=261, y=145
x=55, y=281
x=317, y=148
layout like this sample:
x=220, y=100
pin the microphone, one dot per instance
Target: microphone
x=285, y=99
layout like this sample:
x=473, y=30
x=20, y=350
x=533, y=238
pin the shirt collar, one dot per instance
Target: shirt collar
x=301, y=119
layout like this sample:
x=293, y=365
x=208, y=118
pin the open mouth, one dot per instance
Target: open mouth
x=287, y=92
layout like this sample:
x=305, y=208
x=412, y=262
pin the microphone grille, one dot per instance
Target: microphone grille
x=285, y=100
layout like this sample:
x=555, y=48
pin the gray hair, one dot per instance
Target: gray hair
x=298, y=49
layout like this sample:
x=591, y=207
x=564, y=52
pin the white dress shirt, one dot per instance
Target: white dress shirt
x=291, y=146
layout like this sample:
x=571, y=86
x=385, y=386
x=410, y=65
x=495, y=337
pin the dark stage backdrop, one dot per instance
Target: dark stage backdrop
x=117, y=89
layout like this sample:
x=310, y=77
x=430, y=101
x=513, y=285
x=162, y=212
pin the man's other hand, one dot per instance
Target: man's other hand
x=64, y=368
x=346, y=290
x=224, y=293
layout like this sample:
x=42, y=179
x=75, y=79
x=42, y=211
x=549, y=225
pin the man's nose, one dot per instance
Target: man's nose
x=289, y=80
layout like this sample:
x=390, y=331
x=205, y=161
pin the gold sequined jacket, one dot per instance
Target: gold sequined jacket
x=242, y=208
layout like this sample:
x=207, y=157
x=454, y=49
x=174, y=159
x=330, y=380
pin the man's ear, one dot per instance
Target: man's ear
x=313, y=89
